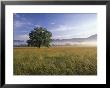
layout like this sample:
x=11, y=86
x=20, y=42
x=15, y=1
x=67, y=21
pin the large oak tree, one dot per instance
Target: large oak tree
x=39, y=37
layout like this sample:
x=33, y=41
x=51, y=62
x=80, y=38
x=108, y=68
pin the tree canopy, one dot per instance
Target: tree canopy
x=39, y=37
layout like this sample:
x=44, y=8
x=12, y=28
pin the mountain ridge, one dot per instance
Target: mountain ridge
x=92, y=37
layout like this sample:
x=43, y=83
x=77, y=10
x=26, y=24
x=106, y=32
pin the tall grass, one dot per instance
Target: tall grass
x=55, y=61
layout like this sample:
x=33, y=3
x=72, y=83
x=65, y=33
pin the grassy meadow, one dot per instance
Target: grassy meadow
x=55, y=61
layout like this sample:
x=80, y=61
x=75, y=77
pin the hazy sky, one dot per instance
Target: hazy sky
x=62, y=25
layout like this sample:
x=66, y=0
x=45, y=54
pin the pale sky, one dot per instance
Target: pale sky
x=62, y=25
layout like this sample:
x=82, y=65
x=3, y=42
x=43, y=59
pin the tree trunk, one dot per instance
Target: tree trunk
x=39, y=45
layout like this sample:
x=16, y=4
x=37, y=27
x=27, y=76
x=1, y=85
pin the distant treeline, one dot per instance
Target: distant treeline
x=22, y=45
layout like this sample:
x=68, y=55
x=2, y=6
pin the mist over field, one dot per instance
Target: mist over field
x=90, y=41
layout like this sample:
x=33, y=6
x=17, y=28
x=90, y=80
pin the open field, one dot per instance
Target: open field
x=55, y=61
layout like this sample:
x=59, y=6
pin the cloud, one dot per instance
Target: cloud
x=67, y=36
x=63, y=32
x=21, y=17
x=16, y=15
x=37, y=25
x=18, y=23
x=22, y=37
x=71, y=31
x=53, y=23
x=21, y=21
x=64, y=28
